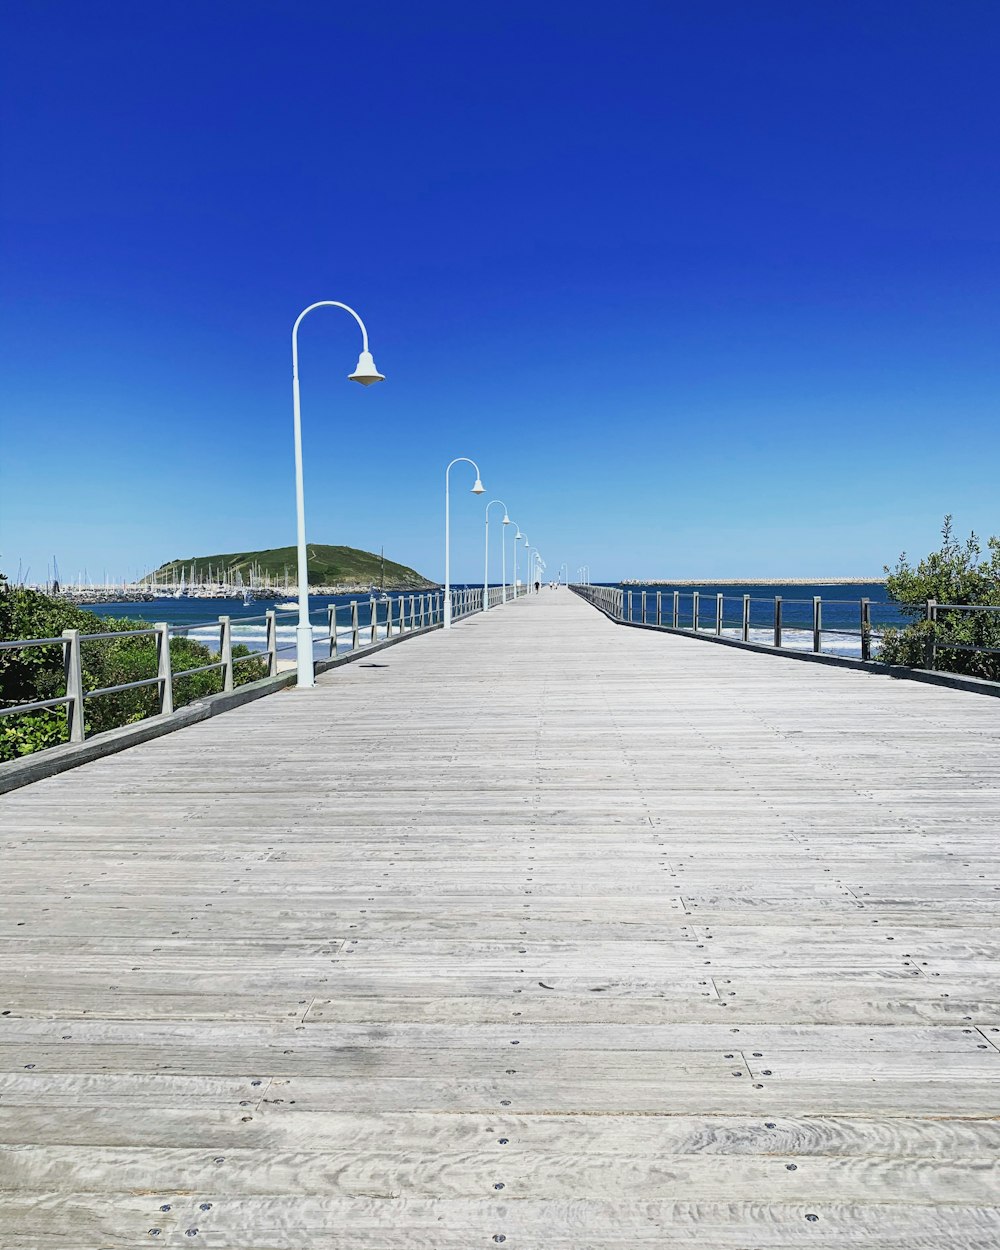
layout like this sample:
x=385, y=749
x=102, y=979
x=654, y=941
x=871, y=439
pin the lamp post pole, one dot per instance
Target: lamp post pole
x=477, y=489
x=532, y=552
x=503, y=555
x=513, y=547
x=366, y=374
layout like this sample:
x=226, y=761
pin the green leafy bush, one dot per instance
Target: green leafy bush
x=36, y=673
x=959, y=575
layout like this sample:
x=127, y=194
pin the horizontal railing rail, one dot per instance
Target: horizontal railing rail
x=352, y=627
x=793, y=624
x=11, y=644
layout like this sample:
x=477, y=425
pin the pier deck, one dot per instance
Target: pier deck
x=547, y=932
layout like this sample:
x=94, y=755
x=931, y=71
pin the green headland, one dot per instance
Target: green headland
x=328, y=566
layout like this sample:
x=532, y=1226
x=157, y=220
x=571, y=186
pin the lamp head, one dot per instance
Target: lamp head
x=366, y=373
x=478, y=488
x=506, y=519
x=518, y=535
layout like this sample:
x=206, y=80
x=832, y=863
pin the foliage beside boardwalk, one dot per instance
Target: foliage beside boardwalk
x=36, y=673
x=958, y=574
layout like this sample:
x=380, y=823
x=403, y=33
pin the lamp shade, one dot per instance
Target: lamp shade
x=478, y=488
x=506, y=519
x=366, y=373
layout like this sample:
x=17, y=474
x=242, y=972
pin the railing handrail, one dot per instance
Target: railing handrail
x=12, y=643
x=118, y=633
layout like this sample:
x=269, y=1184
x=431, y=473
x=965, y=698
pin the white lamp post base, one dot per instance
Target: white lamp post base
x=304, y=656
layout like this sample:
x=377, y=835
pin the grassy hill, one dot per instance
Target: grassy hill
x=328, y=566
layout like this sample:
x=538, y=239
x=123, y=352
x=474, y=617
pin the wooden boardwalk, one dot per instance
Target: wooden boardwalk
x=547, y=932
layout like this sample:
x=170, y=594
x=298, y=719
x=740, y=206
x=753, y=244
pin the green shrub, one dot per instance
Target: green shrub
x=958, y=574
x=36, y=673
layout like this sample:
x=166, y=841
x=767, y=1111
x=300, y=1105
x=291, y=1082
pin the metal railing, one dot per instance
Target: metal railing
x=845, y=627
x=350, y=627
x=977, y=618
x=608, y=598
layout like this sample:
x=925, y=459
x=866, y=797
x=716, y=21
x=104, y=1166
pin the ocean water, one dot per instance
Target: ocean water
x=199, y=619
x=841, y=619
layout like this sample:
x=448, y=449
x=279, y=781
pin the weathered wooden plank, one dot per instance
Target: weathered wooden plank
x=283, y=1126
x=394, y=1172
x=57, y=1218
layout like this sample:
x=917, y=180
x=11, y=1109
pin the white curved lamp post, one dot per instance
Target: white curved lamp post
x=531, y=552
x=477, y=489
x=503, y=556
x=513, y=576
x=365, y=373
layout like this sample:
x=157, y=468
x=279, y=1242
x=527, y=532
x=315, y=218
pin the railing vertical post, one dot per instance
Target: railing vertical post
x=163, y=670
x=331, y=621
x=777, y=620
x=74, y=684
x=746, y=618
x=226, y=651
x=817, y=624
x=642, y=607
x=374, y=618
x=659, y=607
x=930, y=649
x=866, y=629
x=694, y=610
x=388, y=618
x=355, y=628
x=720, y=608
x=676, y=615
x=271, y=634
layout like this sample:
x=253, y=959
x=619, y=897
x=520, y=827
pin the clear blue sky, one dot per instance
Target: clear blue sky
x=707, y=289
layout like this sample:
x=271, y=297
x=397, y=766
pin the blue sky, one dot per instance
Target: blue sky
x=708, y=290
